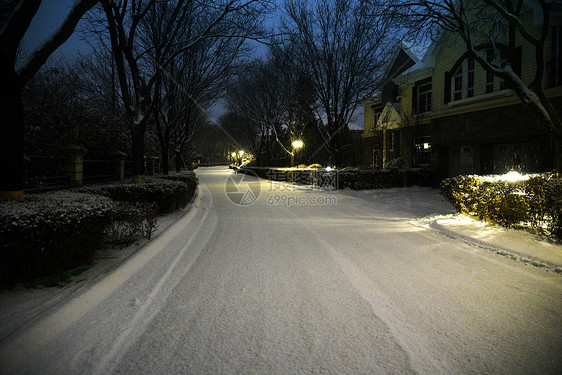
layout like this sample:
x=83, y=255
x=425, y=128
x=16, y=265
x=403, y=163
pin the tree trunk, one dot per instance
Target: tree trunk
x=178, y=159
x=165, y=159
x=11, y=134
x=137, y=150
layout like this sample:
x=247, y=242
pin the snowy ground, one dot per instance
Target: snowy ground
x=302, y=281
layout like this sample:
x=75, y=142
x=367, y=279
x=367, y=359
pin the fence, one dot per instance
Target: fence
x=44, y=173
x=98, y=170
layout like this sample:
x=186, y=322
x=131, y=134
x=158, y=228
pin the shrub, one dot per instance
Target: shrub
x=46, y=234
x=385, y=178
x=49, y=233
x=189, y=179
x=553, y=194
x=534, y=201
x=130, y=221
x=167, y=194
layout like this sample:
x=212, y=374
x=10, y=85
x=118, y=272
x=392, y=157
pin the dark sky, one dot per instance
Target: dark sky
x=49, y=17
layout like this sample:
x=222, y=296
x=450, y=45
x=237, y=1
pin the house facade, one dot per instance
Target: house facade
x=456, y=118
x=381, y=135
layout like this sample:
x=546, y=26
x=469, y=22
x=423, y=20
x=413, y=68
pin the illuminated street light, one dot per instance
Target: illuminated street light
x=233, y=155
x=296, y=145
x=241, y=153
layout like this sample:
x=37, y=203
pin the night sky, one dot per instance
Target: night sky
x=49, y=17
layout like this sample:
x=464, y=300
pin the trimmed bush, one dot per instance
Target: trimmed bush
x=189, y=179
x=167, y=194
x=351, y=178
x=129, y=221
x=385, y=178
x=534, y=201
x=46, y=234
x=49, y=233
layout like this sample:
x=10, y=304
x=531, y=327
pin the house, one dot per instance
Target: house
x=381, y=134
x=454, y=117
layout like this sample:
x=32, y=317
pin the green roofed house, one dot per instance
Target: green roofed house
x=445, y=112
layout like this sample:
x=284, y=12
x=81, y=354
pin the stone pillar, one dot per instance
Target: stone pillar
x=119, y=165
x=75, y=164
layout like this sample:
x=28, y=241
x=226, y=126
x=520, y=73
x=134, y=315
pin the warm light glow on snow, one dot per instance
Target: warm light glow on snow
x=328, y=169
x=511, y=176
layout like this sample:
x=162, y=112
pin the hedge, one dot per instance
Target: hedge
x=351, y=178
x=189, y=179
x=385, y=178
x=49, y=233
x=45, y=234
x=535, y=200
x=168, y=193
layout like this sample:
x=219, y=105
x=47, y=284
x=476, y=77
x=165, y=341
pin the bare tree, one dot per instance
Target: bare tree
x=494, y=22
x=276, y=98
x=189, y=86
x=71, y=101
x=148, y=35
x=341, y=50
x=15, y=18
x=253, y=101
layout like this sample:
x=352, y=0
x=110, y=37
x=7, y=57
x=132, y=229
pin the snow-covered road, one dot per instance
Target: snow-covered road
x=302, y=282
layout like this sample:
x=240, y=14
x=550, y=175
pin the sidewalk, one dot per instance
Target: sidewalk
x=523, y=245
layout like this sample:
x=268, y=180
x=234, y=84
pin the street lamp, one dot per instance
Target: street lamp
x=296, y=145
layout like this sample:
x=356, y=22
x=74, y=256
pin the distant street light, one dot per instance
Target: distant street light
x=296, y=145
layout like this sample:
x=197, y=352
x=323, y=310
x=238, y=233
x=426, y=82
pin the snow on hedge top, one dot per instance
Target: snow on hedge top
x=34, y=210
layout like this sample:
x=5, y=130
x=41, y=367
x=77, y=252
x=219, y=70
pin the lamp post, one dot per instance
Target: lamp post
x=296, y=145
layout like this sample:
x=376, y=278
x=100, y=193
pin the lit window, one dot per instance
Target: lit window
x=422, y=150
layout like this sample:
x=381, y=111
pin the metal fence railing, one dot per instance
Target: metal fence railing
x=45, y=172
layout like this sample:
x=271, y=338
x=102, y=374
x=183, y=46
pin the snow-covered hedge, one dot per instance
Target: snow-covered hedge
x=384, y=178
x=167, y=194
x=49, y=233
x=534, y=200
x=129, y=221
x=356, y=179
x=45, y=234
x=189, y=179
